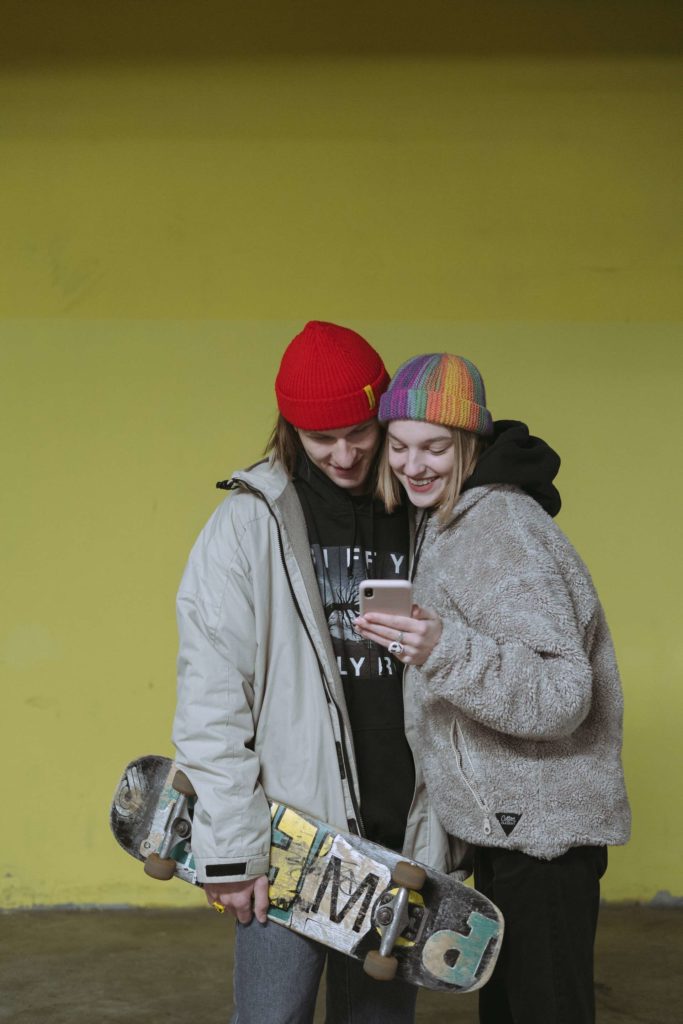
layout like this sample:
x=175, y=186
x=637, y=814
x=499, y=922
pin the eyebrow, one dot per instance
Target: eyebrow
x=422, y=444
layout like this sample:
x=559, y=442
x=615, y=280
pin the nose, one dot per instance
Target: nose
x=344, y=454
x=414, y=462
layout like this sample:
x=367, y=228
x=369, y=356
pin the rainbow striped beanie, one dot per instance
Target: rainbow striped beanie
x=438, y=388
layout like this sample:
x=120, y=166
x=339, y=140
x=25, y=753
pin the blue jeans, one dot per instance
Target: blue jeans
x=277, y=974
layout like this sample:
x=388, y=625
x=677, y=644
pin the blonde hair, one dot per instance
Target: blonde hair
x=284, y=445
x=467, y=447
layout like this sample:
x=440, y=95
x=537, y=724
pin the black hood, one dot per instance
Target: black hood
x=514, y=456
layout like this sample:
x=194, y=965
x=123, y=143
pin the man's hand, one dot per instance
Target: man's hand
x=242, y=899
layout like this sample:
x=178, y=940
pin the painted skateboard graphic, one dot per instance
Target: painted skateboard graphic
x=402, y=919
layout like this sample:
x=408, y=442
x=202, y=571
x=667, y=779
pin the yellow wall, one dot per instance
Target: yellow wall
x=167, y=226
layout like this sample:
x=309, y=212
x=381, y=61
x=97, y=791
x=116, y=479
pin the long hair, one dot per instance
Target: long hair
x=284, y=445
x=467, y=447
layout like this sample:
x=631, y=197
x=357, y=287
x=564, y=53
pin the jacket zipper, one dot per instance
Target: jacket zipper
x=342, y=750
x=481, y=803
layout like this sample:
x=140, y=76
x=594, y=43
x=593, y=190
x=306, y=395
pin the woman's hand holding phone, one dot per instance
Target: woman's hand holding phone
x=417, y=635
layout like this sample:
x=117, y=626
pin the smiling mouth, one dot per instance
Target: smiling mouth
x=421, y=484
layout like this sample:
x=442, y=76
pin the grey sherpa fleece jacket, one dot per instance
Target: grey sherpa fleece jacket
x=519, y=706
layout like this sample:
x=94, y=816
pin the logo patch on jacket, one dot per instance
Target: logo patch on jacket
x=508, y=821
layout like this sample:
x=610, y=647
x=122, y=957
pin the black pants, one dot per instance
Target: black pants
x=544, y=974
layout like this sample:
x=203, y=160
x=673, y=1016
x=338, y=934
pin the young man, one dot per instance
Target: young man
x=279, y=698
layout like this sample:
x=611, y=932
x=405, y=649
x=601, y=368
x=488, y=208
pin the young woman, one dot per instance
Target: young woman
x=514, y=682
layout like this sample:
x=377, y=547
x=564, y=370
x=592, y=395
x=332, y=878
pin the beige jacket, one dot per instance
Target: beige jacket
x=260, y=701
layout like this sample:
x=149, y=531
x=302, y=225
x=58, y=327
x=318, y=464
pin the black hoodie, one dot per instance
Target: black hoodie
x=514, y=456
x=354, y=538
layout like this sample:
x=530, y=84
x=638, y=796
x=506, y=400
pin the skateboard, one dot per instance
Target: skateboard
x=401, y=918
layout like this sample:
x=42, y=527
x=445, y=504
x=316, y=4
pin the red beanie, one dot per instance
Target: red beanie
x=329, y=378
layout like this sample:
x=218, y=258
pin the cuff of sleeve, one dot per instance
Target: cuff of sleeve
x=450, y=651
x=212, y=870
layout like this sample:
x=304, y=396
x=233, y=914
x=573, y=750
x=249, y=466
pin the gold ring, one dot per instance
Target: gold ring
x=218, y=907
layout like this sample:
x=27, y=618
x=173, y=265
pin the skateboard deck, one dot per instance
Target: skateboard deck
x=402, y=919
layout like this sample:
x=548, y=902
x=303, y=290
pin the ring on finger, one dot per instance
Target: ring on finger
x=395, y=647
x=218, y=907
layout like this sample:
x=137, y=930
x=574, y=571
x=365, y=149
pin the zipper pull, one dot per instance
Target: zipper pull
x=487, y=827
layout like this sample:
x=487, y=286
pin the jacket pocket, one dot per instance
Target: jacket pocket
x=465, y=769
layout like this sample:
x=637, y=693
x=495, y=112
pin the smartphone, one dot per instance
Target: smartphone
x=393, y=597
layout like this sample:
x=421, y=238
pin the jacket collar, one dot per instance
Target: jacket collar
x=467, y=500
x=269, y=479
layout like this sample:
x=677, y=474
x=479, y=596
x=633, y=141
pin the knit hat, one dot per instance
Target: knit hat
x=438, y=388
x=329, y=377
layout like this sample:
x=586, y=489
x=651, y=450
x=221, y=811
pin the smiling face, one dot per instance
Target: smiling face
x=422, y=456
x=344, y=455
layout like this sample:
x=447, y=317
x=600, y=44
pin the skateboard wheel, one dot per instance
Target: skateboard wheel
x=160, y=867
x=381, y=968
x=182, y=784
x=408, y=875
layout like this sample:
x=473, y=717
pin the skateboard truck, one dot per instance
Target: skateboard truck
x=159, y=864
x=392, y=918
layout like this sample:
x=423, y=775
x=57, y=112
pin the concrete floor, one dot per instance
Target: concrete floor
x=153, y=966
